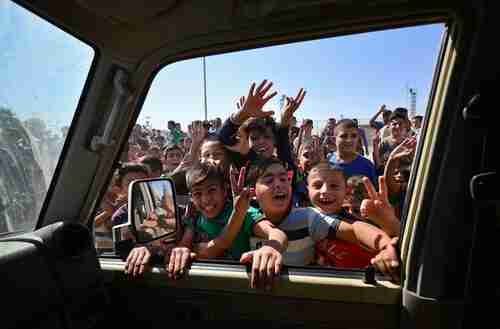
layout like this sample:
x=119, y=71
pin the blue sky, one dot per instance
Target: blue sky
x=348, y=76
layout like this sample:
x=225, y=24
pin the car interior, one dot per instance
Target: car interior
x=52, y=276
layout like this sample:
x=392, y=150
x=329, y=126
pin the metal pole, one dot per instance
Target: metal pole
x=205, y=87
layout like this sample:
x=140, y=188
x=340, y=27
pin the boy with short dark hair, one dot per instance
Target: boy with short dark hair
x=400, y=127
x=264, y=135
x=355, y=243
x=416, y=124
x=382, y=127
x=222, y=229
x=173, y=155
x=127, y=173
x=346, y=156
x=306, y=226
x=155, y=165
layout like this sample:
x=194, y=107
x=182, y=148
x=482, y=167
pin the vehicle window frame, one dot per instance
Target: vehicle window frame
x=96, y=55
x=445, y=17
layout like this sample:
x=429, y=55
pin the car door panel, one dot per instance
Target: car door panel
x=51, y=279
x=221, y=292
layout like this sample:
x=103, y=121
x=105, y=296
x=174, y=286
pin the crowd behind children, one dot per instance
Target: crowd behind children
x=268, y=192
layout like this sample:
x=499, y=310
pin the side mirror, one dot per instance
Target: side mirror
x=152, y=210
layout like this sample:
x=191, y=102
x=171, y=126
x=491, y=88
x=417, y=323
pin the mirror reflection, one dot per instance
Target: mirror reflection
x=153, y=209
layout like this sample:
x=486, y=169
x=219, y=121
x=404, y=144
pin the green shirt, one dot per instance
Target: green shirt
x=206, y=229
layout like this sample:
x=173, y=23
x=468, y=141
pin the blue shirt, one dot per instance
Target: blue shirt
x=359, y=166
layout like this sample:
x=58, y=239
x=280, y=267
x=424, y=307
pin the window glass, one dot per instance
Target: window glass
x=345, y=111
x=43, y=70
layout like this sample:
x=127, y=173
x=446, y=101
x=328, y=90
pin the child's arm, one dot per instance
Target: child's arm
x=375, y=116
x=364, y=234
x=371, y=237
x=241, y=200
x=376, y=151
x=284, y=148
x=103, y=218
x=193, y=156
x=275, y=237
x=267, y=260
x=197, y=136
x=299, y=141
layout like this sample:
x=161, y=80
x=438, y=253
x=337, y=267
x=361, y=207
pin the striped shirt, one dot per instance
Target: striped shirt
x=303, y=227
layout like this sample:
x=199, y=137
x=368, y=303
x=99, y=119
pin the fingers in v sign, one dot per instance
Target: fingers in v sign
x=291, y=105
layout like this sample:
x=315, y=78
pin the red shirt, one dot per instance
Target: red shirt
x=342, y=254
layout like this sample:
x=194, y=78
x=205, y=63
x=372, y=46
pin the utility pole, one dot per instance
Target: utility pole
x=205, y=87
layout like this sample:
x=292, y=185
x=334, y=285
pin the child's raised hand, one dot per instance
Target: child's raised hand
x=291, y=105
x=251, y=106
x=377, y=207
x=406, y=148
x=241, y=194
x=198, y=133
x=240, y=103
x=318, y=149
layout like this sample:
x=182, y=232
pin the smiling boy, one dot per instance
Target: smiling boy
x=222, y=229
x=306, y=226
x=346, y=156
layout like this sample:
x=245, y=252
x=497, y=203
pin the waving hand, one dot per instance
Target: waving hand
x=251, y=105
x=291, y=105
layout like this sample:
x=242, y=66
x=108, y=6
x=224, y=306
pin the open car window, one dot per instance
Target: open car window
x=362, y=76
x=43, y=73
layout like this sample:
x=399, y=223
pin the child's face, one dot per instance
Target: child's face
x=129, y=177
x=274, y=190
x=214, y=153
x=401, y=177
x=187, y=143
x=330, y=144
x=209, y=198
x=308, y=158
x=262, y=142
x=346, y=139
x=354, y=196
x=327, y=190
x=173, y=158
x=417, y=123
x=398, y=128
x=308, y=128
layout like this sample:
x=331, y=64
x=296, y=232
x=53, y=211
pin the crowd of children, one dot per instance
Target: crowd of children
x=265, y=192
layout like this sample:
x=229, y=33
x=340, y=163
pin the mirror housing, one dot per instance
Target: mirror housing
x=152, y=210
